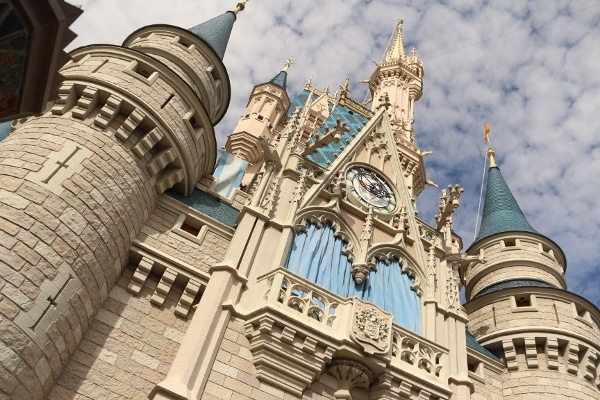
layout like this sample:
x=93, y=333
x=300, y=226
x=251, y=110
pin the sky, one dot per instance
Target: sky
x=531, y=69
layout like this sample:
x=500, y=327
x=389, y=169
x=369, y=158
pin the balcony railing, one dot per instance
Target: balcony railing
x=353, y=320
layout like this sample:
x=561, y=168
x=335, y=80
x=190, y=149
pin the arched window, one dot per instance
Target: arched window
x=317, y=256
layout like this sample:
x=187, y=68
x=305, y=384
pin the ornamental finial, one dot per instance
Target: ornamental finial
x=491, y=153
x=288, y=64
x=240, y=7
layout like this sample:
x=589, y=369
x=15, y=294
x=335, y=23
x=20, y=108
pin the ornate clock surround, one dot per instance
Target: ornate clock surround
x=367, y=187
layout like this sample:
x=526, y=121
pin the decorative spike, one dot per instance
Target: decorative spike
x=397, y=50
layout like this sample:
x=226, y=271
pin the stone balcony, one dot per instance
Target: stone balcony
x=296, y=329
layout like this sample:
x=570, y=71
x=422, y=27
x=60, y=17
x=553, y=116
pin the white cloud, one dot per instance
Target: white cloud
x=529, y=68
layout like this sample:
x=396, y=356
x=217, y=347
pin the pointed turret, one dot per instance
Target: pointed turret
x=517, y=302
x=396, y=52
x=501, y=212
x=281, y=78
x=395, y=85
x=262, y=118
x=216, y=31
x=504, y=227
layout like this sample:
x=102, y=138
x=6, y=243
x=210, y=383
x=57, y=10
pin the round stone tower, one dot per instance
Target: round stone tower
x=77, y=184
x=519, y=308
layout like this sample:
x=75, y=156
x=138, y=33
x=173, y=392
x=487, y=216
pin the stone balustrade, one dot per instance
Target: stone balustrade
x=296, y=319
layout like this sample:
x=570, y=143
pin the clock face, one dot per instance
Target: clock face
x=371, y=189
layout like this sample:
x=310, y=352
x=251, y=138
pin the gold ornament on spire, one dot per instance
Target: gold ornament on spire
x=240, y=7
x=288, y=64
x=346, y=86
x=345, y=90
x=491, y=153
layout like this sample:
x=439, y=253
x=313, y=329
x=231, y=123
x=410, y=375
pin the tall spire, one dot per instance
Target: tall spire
x=216, y=31
x=501, y=212
x=396, y=52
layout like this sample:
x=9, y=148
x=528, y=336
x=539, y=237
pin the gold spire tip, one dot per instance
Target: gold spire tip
x=240, y=7
x=491, y=153
x=288, y=64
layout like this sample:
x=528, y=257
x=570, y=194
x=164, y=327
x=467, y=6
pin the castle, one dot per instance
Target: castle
x=136, y=264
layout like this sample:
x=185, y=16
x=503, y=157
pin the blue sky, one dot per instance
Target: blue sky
x=529, y=68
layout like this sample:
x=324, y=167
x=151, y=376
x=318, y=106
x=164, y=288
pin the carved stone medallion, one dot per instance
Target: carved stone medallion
x=371, y=327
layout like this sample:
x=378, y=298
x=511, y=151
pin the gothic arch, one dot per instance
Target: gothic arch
x=386, y=253
x=322, y=215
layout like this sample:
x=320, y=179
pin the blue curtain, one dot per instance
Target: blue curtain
x=317, y=256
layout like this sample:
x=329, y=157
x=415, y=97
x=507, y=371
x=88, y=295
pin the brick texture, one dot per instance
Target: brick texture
x=123, y=354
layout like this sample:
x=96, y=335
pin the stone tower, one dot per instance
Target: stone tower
x=79, y=183
x=519, y=307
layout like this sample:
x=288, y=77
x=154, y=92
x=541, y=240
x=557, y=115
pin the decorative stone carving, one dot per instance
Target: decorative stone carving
x=448, y=204
x=285, y=356
x=300, y=189
x=311, y=303
x=454, y=263
x=431, y=270
x=361, y=269
x=371, y=327
x=418, y=353
x=360, y=272
x=350, y=375
x=271, y=197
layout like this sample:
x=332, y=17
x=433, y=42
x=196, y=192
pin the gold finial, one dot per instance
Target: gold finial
x=288, y=64
x=308, y=85
x=240, y=7
x=345, y=90
x=346, y=86
x=491, y=153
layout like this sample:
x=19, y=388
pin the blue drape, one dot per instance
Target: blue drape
x=317, y=256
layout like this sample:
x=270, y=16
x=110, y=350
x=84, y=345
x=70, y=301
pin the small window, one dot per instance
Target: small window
x=475, y=368
x=510, y=244
x=523, y=300
x=142, y=70
x=190, y=229
x=582, y=313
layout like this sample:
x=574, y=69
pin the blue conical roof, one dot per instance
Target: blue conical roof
x=501, y=213
x=215, y=32
x=280, y=79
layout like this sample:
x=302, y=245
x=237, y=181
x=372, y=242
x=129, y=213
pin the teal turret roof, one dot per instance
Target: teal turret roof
x=501, y=213
x=280, y=79
x=215, y=32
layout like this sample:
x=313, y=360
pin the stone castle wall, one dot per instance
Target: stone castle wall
x=512, y=257
x=233, y=375
x=68, y=216
x=128, y=348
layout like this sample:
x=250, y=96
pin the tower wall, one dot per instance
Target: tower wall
x=70, y=228
x=510, y=256
x=77, y=185
x=128, y=347
x=548, y=339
